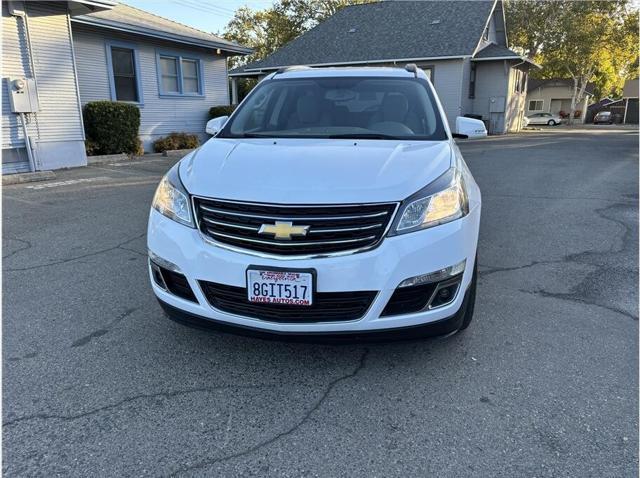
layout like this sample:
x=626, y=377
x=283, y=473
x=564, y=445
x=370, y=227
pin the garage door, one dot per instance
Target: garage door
x=632, y=111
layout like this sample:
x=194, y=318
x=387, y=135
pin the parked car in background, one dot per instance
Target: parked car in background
x=332, y=201
x=603, y=117
x=544, y=118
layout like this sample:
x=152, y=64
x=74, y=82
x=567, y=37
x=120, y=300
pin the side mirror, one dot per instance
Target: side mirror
x=216, y=124
x=470, y=128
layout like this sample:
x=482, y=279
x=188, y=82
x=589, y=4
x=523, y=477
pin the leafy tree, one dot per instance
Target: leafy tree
x=267, y=30
x=587, y=41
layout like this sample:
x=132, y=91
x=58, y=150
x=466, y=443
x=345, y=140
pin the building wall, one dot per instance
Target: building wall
x=158, y=115
x=56, y=129
x=492, y=88
x=466, y=102
x=448, y=82
x=561, y=93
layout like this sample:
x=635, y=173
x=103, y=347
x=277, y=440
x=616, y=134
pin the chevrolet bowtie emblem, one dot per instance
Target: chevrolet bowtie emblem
x=283, y=230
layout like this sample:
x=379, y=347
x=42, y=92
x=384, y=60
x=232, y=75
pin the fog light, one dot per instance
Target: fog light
x=435, y=276
x=445, y=293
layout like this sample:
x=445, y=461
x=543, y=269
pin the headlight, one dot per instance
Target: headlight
x=172, y=199
x=442, y=201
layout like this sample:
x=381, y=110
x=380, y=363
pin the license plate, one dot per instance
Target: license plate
x=280, y=287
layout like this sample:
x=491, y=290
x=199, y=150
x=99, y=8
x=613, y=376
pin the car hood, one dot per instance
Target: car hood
x=313, y=171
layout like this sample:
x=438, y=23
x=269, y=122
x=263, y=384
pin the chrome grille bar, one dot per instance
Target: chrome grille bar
x=294, y=218
x=289, y=244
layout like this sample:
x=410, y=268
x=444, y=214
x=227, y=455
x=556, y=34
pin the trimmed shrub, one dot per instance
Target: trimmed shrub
x=176, y=141
x=90, y=147
x=111, y=127
x=217, y=111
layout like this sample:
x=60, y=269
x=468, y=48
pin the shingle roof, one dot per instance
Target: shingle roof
x=391, y=30
x=534, y=83
x=493, y=50
x=127, y=18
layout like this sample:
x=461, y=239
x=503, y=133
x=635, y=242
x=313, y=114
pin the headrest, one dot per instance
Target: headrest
x=308, y=109
x=395, y=107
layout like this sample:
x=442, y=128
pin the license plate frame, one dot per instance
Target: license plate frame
x=282, y=301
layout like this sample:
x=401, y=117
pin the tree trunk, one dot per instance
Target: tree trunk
x=573, y=99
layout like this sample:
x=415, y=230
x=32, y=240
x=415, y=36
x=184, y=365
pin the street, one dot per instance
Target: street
x=97, y=382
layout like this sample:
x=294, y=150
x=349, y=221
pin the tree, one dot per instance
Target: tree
x=588, y=41
x=267, y=30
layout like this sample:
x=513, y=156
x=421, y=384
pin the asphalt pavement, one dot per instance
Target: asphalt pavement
x=97, y=382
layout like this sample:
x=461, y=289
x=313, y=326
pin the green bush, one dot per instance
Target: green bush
x=217, y=111
x=111, y=127
x=176, y=141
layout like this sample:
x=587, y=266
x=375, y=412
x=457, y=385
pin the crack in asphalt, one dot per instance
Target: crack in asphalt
x=134, y=251
x=23, y=357
x=494, y=269
x=580, y=293
x=24, y=241
x=71, y=259
x=142, y=396
x=330, y=387
x=82, y=341
x=580, y=300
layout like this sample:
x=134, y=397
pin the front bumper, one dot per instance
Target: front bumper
x=381, y=269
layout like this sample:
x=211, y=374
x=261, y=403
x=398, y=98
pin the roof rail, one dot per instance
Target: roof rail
x=291, y=68
x=412, y=68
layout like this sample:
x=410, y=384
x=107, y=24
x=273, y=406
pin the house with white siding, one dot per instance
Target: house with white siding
x=59, y=55
x=461, y=45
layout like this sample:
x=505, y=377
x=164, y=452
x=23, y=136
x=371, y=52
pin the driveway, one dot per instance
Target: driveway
x=544, y=383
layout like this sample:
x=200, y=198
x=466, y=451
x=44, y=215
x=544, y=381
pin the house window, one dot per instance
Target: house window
x=169, y=75
x=125, y=75
x=179, y=76
x=428, y=70
x=535, y=105
x=472, y=81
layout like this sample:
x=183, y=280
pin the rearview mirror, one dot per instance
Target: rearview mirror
x=216, y=124
x=470, y=128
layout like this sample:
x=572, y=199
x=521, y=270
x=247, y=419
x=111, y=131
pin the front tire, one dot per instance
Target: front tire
x=470, y=306
x=551, y=123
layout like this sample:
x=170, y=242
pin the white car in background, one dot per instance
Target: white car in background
x=548, y=119
x=309, y=213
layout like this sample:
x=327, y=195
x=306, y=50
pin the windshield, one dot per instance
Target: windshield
x=347, y=107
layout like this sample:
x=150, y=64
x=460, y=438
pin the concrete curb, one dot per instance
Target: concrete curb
x=27, y=177
x=114, y=158
x=106, y=158
x=177, y=152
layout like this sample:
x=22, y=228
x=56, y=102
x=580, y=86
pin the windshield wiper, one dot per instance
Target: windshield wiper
x=247, y=135
x=362, y=136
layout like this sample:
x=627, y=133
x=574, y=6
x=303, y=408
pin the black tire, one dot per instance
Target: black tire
x=470, y=306
x=551, y=123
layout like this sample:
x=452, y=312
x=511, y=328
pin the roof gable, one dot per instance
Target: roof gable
x=535, y=83
x=127, y=18
x=383, y=31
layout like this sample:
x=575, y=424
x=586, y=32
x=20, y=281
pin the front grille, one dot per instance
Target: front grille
x=326, y=307
x=331, y=229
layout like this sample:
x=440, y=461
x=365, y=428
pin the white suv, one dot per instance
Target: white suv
x=332, y=201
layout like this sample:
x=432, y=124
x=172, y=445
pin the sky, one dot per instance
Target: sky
x=207, y=15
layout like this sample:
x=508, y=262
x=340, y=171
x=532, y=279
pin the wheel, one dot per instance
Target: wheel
x=551, y=123
x=468, y=313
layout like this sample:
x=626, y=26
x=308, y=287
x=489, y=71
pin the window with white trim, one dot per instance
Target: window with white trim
x=536, y=105
x=178, y=75
x=125, y=80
